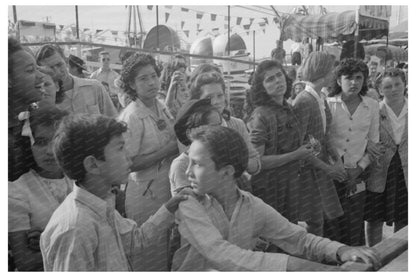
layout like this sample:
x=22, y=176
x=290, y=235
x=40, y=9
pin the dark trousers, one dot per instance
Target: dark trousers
x=348, y=228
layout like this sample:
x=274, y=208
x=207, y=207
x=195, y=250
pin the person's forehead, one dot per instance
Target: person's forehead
x=198, y=151
x=146, y=70
x=43, y=130
x=54, y=58
x=272, y=71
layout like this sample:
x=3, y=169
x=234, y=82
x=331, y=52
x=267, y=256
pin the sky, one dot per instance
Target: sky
x=115, y=18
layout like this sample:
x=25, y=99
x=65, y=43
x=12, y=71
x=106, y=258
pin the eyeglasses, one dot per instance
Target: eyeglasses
x=105, y=59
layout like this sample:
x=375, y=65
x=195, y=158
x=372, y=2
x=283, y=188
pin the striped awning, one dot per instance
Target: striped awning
x=333, y=26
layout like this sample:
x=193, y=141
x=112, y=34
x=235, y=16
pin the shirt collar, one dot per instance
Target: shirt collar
x=403, y=112
x=95, y=203
x=312, y=91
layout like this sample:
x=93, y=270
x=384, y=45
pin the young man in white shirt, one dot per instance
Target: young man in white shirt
x=86, y=233
x=81, y=95
x=221, y=226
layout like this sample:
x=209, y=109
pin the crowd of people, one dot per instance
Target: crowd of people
x=148, y=169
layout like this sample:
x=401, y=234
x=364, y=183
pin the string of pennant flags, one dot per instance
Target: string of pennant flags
x=247, y=23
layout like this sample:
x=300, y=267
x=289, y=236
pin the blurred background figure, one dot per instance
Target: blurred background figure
x=77, y=67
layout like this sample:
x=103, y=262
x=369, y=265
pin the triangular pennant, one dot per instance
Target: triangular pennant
x=246, y=26
x=213, y=17
x=166, y=17
x=169, y=7
x=199, y=15
x=266, y=20
x=215, y=29
x=97, y=31
x=182, y=24
x=84, y=30
x=185, y=10
x=149, y=7
x=275, y=20
x=239, y=20
x=186, y=33
x=251, y=20
x=61, y=26
x=114, y=33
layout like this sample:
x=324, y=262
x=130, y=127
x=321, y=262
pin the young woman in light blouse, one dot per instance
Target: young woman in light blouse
x=355, y=121
x=387, y=197
x=151, y=144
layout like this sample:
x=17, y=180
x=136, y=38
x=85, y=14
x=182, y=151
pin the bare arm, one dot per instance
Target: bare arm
x=141, y=162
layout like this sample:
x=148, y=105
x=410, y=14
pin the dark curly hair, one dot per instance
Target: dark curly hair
x=203, y=68
x=257, y=90
x=225, y=146
x=131, y=68
x=47, y=51
x=391, y=72
x=205, y=79
x=348, y=67
x=83, y=135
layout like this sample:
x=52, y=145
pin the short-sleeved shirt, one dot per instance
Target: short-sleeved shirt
x=88, y=96
x=33, y=199
x=143, y=135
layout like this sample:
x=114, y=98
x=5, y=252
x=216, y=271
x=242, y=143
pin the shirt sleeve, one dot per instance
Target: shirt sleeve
x=302, y=112
x=134, y=134
x=177, y=175
x=253, y=155
x=197, y=228
x=373, y=134
x=294, y=239
x=258, y=129
x=136, y=238
x=72, y=250
x=106, y=105
x=19, y=209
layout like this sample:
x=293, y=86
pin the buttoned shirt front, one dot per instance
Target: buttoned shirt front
x=86, y=233
x=88, y=96
x=349, y=133
x=210, y=241
x=397, y=122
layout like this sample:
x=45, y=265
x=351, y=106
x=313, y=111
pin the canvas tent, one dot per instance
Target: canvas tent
x=334, y=26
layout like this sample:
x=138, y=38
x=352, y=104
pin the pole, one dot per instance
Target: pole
x=14, y=14
x=76, y=20
x=357, y=30
x=254, y=48
x=129, y=27
x=157, y=27
x=229, y=42
x=134, y=26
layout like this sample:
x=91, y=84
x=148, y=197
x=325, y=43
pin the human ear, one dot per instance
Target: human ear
x=228, y=171
x=91, y=165
x=339, y=81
